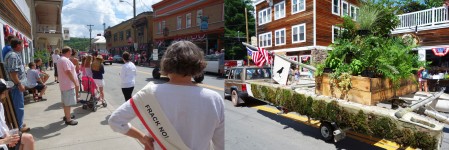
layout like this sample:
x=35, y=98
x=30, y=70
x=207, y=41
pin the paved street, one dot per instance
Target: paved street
x=246, y=127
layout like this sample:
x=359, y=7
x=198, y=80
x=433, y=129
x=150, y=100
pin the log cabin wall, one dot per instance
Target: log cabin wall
x=432, y=37
x=326, y=19
x=287, y=22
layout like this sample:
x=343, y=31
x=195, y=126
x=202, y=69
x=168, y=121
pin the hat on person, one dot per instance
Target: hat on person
x=5, y=85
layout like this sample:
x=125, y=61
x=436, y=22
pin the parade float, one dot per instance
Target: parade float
x=358, y=84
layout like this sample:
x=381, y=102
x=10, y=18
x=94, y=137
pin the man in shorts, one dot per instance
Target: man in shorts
x=67, y=84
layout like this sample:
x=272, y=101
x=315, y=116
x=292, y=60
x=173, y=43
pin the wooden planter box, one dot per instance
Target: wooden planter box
x=365, y=90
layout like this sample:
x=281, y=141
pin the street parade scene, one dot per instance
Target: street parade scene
x=224, y=74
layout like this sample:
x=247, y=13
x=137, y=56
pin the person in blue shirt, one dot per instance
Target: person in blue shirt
x=7, y=47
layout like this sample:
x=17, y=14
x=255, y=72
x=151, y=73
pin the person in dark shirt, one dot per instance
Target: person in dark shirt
x=7, y=47
x=97, y=74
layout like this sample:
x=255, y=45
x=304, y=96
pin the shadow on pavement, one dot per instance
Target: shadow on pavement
x=42, y=133
x=306, y=130
x=105, y=121
x=54, y=106
x=157, y=81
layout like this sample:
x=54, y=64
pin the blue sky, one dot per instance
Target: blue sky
x=77, y=14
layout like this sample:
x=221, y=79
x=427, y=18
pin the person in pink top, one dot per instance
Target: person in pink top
x=67, y=84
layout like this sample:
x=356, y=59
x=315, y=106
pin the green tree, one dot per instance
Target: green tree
x=407, y=6
x=81, y=44
x=235, y=27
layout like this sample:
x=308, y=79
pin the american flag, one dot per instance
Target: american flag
x=259, y=57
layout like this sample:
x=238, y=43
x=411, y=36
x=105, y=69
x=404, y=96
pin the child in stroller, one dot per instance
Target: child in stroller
x=92, y=96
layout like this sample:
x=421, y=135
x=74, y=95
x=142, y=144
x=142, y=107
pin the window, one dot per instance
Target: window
x=344, y=8
x=336, y=7
x=265, y=40
x=128, y=33
x=163, y=25
x=188, y=20
x=299, y=33
x=159, y=27
x=279, y=36
x=354, y=11
x=115, y=36
x=121, y=35
x=199, y=13
x=336, y=31
x=298, y=6
x=179, y=23
x=264, y=16
x=279, y=10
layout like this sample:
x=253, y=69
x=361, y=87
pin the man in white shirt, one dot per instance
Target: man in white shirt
x=128, y=76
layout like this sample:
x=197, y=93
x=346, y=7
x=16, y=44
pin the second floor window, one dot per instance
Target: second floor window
x=344, y=8
x=279, y=10
x=159, y=27
x=353, y=12
x=128, y=33
x=115, y=37
x=199, y=13
x=279, y=35
x=336, y=7
x=264, y=16
x=188, y=20
x=121, y=35
x=163, y=25
x=265, y=40
x=299, y=33
x=179, y=23
x=298, y=6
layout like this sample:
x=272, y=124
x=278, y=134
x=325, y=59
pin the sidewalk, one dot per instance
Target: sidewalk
x=92, y=132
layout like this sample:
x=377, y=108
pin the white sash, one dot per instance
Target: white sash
x=150, y=113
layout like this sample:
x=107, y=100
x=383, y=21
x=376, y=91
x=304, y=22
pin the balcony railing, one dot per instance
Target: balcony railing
x=428, y=17
x=48, y=28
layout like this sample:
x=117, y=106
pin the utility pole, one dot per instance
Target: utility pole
x=104, y=27
x=246, y=20
x=90, y=37
x=134, y=20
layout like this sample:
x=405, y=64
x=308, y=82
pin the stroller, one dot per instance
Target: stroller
x=92, y=96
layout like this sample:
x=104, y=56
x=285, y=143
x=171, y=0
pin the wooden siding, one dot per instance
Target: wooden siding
x=287, y=22
x=12, y=15
x=433, y=37
x=216, y=22
x=325, y=20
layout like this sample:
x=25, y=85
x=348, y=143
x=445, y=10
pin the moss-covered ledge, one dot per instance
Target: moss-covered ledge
x=322, y=108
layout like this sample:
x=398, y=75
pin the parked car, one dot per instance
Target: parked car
x=236, y=82
x=106, y=57
x=117, y=59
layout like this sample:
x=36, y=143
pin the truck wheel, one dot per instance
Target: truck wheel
x=199, y=79
x=327, y=131
x=235, y=98
x=156, y=73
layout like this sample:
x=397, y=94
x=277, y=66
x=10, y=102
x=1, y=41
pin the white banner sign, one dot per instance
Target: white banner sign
x=155, y=54
x=280, y=70
x=66, y=34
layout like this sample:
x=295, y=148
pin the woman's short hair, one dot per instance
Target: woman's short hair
x=96, y=64
x=125, y=56
x=183, y=58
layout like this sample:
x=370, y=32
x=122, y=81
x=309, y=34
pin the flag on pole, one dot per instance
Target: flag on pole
x=265, y=55
x=259, y=57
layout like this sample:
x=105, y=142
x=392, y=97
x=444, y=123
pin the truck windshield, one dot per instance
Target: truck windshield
x=258, y=73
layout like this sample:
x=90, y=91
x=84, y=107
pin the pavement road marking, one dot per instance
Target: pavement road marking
x=199, y=84
x=389, y=145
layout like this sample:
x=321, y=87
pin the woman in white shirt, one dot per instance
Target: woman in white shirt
x=128, y=76
x=196, y=113
x=55, y=57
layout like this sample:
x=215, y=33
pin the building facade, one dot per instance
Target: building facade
x=297, y=27
x=47, y=27
x=120, y=38
x=17, y=21
x=198, y=21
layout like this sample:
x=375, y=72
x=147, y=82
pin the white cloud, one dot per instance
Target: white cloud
x=77, y=14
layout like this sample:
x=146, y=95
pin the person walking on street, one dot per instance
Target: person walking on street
x=192, y=116
x=50, y=60
x=26, y=140
x=128, y=76
x=16, y=70
x=97, y=75
x=7, y=47
x=68, y=84
x=55, y=57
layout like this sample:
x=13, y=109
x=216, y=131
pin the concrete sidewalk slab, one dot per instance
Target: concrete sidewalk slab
x=92, y=132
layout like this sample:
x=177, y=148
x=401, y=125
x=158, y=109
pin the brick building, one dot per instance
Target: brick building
x=120, y=38
x=201, y=22
x=297, y=27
